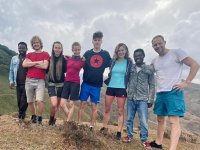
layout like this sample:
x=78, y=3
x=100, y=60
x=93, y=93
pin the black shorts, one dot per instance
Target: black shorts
x=118, y=92
x=55, y=91
x=71, y=91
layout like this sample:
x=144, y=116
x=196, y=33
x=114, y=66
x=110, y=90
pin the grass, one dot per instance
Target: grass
x=8, y=101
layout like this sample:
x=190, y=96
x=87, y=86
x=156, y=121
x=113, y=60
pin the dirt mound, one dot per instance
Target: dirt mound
x=68, y=136
x=82, y=137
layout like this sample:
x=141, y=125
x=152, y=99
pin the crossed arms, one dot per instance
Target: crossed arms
x=43, y=64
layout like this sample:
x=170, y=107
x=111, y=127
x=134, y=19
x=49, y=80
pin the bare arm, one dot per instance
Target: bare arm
x=28, y=63
x=194, y=67
x=42, y=64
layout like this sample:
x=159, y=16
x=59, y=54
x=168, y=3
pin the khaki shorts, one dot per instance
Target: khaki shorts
x=34, y=89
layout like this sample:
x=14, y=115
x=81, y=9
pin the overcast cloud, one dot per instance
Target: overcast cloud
x=133, y=22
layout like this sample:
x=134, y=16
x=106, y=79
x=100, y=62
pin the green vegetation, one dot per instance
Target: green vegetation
x=5, y=56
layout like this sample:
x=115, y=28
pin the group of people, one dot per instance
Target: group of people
x=134, y=82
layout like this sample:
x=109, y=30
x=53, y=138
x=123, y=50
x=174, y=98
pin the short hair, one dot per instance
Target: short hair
x=76, y=44
x=158, y=36
x=98, y=34
x=23, y=43
x=36, y=38
x=139, y=50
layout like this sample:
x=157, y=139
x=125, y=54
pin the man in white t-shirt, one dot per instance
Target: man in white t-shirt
x=170, y=98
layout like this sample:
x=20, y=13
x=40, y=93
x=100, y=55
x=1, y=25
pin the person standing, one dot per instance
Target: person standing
x=117, y=84
x=96, y=60
x=141, y=93
x=170, y=103
x=17, y=77
x=56, y=72
x=37, y=63
x=72, y=80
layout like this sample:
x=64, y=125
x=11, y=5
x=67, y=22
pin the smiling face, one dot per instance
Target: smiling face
x=57, y=48
x=158, y=45
x=138, y=57
x=22, y=49
x=76, y=50
x=121, y=52
x=36, y=44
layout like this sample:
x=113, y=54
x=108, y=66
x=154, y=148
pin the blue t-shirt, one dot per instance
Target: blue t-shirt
x=118, y=74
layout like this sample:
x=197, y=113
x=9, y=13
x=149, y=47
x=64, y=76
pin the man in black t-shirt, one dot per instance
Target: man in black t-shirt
x=96, y=60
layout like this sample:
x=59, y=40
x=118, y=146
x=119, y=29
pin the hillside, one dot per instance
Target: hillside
x=67, y=136
x=5, y=57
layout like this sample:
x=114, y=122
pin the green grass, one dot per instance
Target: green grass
x=8, y=101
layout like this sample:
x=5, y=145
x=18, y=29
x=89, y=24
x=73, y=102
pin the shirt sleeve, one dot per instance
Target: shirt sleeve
x=46, y=57
x=28, y=56
x=181, y=54
x=11, y=72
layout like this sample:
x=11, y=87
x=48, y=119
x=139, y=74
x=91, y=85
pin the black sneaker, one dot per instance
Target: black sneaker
x=51, y=120
x=118, y=136
x=34, y=119
x=153, y=144
x=39, y=120
x=104, y=130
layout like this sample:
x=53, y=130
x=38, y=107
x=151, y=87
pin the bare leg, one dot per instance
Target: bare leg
x=108, y=105
x=81, y=112
x=54, y=106
x=64, y=106
x=40, y=107
x=93, y=114
x=161, y=129
x=120, y=106
x=31, y=106
x=175, y=131
x=71, y=110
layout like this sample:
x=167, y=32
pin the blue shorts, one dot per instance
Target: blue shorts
x=170, y=103
x=92, y=91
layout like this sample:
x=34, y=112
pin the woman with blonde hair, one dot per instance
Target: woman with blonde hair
x=116, y=86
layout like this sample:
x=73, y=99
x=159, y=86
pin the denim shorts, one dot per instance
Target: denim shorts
x=170, y=103
x=90, y=91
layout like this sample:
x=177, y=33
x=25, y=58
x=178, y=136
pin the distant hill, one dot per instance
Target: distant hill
x=5, y=56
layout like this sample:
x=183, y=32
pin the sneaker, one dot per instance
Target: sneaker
x=127, y=139
x=146, y=144
x=52, y=121
x=39, y=120
x=153, y=144
x=91, y=128
x=104, y=130
x=118, y=136
x=34, y=119
x=19, y=120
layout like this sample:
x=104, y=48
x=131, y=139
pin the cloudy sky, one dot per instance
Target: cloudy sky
x=133, y=22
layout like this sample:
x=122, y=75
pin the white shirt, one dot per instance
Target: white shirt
x=168, y=69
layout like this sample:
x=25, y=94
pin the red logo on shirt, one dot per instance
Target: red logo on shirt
x=96, y=61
